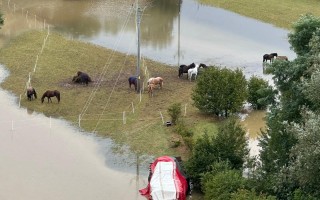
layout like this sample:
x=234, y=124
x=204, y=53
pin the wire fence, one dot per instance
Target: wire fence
x=35, y=22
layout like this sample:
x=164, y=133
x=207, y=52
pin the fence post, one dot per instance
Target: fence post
x=143, y=86
x=185, y=109
x=20, y=101
x=161, y=117
x=132, y=107
x=79, y=119
x=124, y=117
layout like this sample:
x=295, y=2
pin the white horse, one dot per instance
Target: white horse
x=193, y=71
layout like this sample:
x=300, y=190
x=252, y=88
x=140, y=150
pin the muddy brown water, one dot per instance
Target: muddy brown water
x=43, y=158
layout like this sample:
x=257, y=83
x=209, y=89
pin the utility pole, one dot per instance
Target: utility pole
x=138, y=15
x=179, y=34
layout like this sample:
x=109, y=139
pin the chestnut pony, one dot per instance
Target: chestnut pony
x=156, y=81
x=49, y=94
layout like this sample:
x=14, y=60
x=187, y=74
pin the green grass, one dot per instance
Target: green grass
x=280, y=13
x=60, y=60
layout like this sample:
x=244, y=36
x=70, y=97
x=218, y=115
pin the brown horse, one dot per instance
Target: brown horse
x=82, y=78
x=282, y=58
x=31, y=92
x=156, y=81
x=151, y=87
x=49, y=94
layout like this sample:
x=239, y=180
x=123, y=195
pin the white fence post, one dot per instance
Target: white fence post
x=185, y=109
x=161, y=117
x=79, y=119
x=132, y=107
x=124, y=117
x=20, y=101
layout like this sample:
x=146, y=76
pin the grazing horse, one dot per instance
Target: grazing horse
x=133, y=81
x=49, y=94
x=151, y=87
x=194, y=71
x=270, y=57
x=156, y=81
x=185, y=68
x=201, y=65
x=282, y=58
x=31, y=92
x=81, y=77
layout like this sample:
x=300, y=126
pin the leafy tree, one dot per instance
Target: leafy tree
x=223, y=184
x=208, y=150
x=244, y=194
x=236, y=149
x=306, y=153
x=302, y=33
x=260, y=94
x=220, y=91
x=175, y=112
x=1, y=20
x=286, y=170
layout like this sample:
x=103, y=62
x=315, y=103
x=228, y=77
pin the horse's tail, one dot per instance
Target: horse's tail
x=57, y=93
x=35, y=93
x=43, y=96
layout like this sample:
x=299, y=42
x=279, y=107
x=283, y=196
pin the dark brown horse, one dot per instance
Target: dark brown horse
x=133, y=81
x=270, y=57
x=81, y=77
x=185, y=68
x=31, y=92
x=49, y=94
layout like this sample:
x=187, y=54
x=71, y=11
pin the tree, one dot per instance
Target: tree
x=175, y=112
x=302, y=33
x=306, y=154
x=220, y=91
x=236, y=149
x=1, y=20
x=249, y=195
x=223, y=184
x=208, y=150
x=290, y=174
x=260, y=94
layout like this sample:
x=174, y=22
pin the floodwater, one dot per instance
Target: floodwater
x=43, y=158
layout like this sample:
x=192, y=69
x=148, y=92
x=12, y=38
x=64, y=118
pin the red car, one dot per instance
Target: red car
x=166, y=180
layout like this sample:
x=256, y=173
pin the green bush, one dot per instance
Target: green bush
x=255, y=92
x=175, y=112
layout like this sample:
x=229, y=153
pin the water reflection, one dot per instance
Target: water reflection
x=207, y=34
